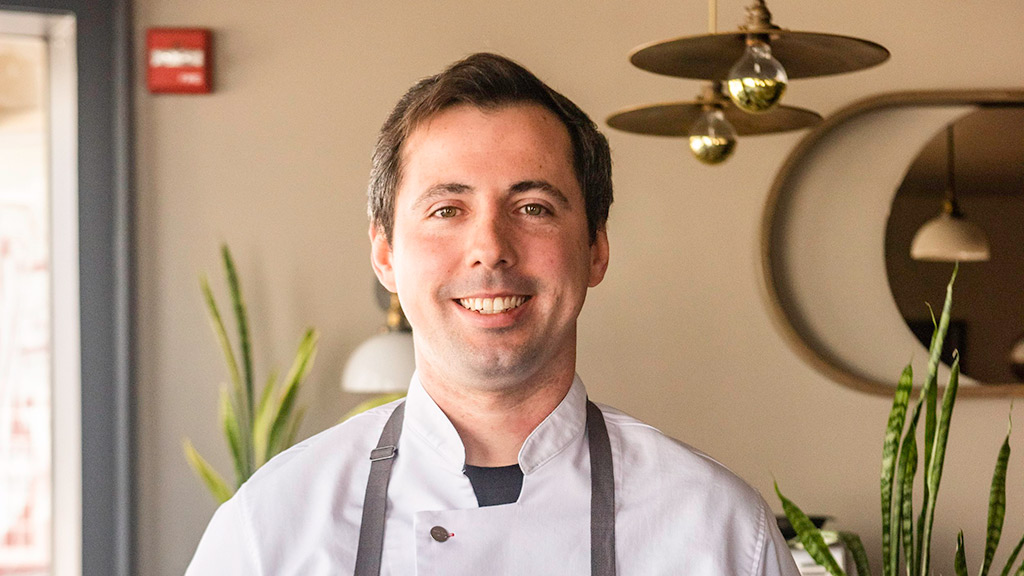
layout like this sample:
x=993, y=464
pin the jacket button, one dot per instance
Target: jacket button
x=439, y=533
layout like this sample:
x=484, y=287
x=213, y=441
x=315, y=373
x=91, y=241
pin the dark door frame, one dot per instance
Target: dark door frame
x=105, y=165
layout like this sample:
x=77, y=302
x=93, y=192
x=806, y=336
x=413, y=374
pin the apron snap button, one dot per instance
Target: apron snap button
x=440, y=533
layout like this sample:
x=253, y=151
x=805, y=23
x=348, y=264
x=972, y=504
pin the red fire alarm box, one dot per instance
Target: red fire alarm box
x=179, y=60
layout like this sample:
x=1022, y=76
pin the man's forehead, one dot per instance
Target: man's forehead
x=518, y=143
x=466, y=113
x=455, y=121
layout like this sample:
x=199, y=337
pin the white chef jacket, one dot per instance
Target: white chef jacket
x=677, y=511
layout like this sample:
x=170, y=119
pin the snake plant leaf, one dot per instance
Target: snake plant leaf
x=960, y=561
x=1013, y=557
x=372, y=403
x=939, y=334
x=214, y=481
x=282, y=419
x=242, y=319
x=809, y=535
x=930, y=397
x=856, y=548
x=282, y=425
x=281, y=422
x=1020, y=571
x=933, y=475
x=237, y=385
x=229, y=422
x=934, y=357
x=304, y=357
x=890, y=516
x=293, y=430
x=262, y=420
x=217, y=323
x=903, y=505
x=997, y=503
x=908, y=465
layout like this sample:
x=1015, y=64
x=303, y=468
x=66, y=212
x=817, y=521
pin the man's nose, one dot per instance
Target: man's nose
x=490, y=242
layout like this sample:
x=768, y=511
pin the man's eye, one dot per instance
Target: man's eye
x=446, y=212
x=534, y=210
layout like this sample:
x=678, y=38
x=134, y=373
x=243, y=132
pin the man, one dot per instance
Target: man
x=488, y=201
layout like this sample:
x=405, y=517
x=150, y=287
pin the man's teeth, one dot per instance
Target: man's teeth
x=492, y=305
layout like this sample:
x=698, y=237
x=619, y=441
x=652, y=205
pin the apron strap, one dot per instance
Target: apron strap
x=602, y=496
x=371, y=530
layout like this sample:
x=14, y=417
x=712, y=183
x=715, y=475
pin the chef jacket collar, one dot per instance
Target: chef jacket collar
x=565, y=424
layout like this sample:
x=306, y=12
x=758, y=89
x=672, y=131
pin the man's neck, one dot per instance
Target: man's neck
x=494, y=424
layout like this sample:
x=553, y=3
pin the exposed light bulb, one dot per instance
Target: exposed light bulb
x=757, y=81
x=712, y=138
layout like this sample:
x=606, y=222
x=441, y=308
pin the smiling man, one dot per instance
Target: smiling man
x=488, y=202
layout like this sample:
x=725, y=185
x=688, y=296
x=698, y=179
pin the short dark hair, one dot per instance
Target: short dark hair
x=488, y=81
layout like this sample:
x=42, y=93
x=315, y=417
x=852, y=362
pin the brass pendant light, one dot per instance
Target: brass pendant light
x=759, y=59
x=675, y=118
x=755, y=64
x=681, y=119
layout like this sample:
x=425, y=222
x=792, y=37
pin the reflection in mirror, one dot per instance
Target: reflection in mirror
x=989, y=184
x=827, y=218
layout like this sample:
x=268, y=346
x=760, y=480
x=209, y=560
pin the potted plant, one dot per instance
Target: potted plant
x=899, y=469
x=255, y=430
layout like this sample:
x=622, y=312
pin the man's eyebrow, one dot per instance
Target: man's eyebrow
x=442, y=189
x=543, y=186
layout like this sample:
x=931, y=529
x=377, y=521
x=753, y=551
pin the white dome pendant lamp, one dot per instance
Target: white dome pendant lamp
x=949, y=237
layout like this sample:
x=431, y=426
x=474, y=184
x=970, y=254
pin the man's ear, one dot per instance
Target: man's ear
x=381, y=258
x=598, y=258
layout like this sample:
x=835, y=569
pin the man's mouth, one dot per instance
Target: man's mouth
x=492, y=305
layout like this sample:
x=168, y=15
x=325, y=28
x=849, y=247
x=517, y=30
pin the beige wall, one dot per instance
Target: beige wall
x=275, y=163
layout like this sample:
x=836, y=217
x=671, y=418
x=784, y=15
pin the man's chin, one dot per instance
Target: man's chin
x=499, y=370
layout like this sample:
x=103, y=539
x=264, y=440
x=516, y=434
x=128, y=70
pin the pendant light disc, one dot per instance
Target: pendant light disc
x=803, y=54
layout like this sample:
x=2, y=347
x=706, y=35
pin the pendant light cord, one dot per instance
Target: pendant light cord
x=950, y=206
x=950, y=163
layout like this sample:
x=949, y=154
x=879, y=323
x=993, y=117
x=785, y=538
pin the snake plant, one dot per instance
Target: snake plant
x=255, y=430
x=899, y=468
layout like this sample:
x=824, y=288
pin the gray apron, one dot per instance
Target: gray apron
x=602, y=496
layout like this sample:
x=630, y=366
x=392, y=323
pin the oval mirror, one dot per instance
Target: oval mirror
x=827, y=234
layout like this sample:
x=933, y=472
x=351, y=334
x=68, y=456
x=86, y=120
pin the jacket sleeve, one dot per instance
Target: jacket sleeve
x=226, y=548
x=776, y=559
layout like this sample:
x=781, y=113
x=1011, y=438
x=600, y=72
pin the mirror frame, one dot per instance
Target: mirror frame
x=801, y=343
